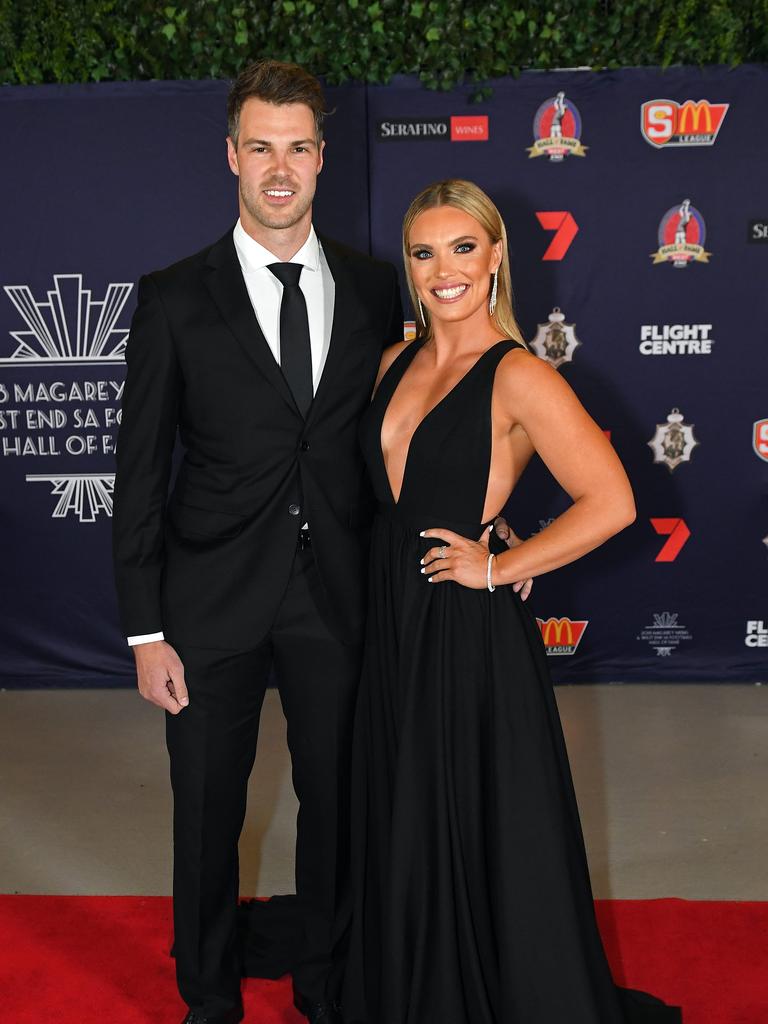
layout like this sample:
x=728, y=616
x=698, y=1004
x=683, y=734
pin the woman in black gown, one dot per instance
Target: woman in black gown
x=472, y=901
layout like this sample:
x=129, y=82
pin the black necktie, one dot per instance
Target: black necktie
x=295, y=351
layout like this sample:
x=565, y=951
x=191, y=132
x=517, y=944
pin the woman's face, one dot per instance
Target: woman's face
x=451, y=260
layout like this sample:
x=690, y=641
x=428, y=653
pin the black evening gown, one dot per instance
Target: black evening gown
x=471, y=895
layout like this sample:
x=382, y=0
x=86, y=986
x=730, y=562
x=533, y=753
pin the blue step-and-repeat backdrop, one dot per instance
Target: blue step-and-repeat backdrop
x=637, y=213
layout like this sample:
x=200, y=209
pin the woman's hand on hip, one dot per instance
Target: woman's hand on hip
x=456, y=558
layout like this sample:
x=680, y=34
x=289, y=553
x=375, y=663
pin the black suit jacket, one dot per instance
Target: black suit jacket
x=209, y=565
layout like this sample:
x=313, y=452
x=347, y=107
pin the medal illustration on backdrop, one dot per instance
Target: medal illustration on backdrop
x=681, y=237
x=673, y=441
x=556, y=340
x=557, y=130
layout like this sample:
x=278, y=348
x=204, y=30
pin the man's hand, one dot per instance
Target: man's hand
x=506, y=533
x=161, y=676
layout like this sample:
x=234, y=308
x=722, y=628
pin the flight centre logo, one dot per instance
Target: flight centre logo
x=557, y=130
x=556, y=341
x=457, y=128
x=562, y=636
x=757, y=633
x=681, y=237
x=676, y=340
x=666, y=123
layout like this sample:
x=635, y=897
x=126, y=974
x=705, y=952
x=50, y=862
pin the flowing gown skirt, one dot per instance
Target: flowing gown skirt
x=472, y=900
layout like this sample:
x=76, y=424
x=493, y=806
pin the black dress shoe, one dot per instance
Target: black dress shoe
x=233, y=1016
x=318, y=1013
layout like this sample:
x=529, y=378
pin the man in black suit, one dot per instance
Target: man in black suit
x=262, y=351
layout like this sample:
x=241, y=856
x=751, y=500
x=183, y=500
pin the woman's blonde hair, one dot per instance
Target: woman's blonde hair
x=466, y=196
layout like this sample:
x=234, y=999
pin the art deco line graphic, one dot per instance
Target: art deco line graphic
x=85, y=495
x=71, y=327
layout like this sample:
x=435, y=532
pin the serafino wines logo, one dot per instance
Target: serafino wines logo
x=681, y=237
x=71, y=326
x=557, y=130
x=667, y=123
x=457, y=128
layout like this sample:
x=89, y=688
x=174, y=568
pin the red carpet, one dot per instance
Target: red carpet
x=104, y=960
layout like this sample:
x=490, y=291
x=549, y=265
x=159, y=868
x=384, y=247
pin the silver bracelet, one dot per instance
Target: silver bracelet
x=491, y=587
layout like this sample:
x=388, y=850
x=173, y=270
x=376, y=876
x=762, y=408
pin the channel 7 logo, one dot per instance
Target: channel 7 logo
x=677, y=533
x=565, y=228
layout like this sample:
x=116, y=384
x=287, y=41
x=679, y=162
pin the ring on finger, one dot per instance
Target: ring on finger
x=442, y=551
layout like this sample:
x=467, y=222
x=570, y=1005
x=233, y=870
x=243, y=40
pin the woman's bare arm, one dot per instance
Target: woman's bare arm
x=578, y=455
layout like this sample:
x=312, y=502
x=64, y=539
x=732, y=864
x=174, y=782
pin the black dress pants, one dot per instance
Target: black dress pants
x=212, y=744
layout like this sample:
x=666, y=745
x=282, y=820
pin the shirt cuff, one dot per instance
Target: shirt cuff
x=145, y=638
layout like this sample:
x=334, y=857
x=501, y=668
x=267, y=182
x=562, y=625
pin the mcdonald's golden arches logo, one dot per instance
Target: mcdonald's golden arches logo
x=691, y=123
x=562, y=636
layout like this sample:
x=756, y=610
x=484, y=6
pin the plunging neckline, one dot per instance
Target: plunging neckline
x=426, y=416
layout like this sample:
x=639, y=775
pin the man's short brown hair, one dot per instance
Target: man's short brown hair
x=275, y=81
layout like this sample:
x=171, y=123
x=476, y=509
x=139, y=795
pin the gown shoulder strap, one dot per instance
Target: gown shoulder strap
x=397, y=367
x=493, y=356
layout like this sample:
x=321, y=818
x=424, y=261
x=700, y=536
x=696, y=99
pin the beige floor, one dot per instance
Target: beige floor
x=670, y=779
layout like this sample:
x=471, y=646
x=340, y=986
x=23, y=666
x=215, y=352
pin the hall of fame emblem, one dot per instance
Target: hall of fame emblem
x=70, y=326
x=665, y=633
x=681, y=237
x=83, y=495
x=556, y=340
x=557, y=130
x=673, y=441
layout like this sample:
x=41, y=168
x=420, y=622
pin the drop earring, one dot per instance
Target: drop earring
x=421, y=312
x=492, y=302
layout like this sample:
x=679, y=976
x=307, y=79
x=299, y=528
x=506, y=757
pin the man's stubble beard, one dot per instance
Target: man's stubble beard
x=273, y=218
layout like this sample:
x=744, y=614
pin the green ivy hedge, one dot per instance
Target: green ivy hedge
x=444, y=42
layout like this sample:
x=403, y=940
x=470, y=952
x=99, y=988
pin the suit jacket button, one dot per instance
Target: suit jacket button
x=294, y=510
x=305, y=446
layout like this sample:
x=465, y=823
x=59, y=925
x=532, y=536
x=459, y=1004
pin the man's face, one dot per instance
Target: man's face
x=277, y=160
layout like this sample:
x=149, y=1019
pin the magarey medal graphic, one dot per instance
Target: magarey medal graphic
x=673, y=441
x=681, y=237
x=557, y=130
x=556, y=340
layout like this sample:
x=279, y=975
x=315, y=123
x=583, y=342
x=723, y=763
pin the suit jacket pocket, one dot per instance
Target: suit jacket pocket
x=195, y=523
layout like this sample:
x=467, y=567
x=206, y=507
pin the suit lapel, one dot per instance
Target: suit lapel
x=224, y=280
x=347, y=310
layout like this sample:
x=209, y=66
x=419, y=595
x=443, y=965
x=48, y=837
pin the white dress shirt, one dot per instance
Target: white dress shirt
x=266, y=292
